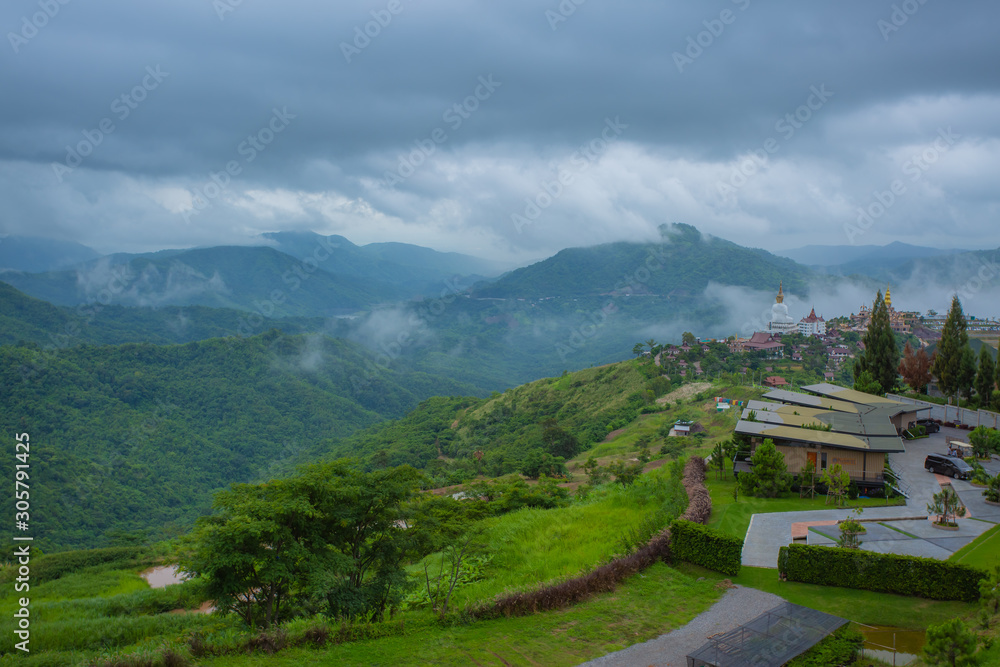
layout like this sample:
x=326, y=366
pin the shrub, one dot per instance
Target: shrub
x=704, y=546
x=882, y=573
x=840, y=648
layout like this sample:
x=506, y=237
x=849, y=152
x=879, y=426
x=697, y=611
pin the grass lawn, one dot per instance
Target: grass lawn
x=855, y=605
x=983, y=552
x=646, y=606
x=733, y=517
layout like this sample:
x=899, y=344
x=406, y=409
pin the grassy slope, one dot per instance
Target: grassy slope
x=645, y=607
x=983, y=552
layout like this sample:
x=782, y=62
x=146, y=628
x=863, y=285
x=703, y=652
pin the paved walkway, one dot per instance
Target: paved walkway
x=738, y=606
x=769, y=532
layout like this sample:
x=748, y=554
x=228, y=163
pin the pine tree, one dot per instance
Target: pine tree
x=984, y=378
x=881, y=356
x=950, y=643
x=954, y=339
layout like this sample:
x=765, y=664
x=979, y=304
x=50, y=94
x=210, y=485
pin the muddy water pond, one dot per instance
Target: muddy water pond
x=163, y=576
x=896, y=646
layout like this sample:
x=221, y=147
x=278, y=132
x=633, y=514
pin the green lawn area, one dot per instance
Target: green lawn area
x=983, y=552
x=646, y=606
x=733, y=517
x=855, y=605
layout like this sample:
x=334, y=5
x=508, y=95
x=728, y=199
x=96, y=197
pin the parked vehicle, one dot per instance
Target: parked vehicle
x=952, y=466
x=929, y=424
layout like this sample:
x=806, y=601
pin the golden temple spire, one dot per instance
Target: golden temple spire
x=888, y=296
x=781, y=295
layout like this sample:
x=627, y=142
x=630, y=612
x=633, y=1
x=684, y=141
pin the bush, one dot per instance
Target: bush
x=704, y=546
x=882, y=573
x=840, y=648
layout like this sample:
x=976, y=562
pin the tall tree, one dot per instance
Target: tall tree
x=967, y=373
x=915, y=369
x=954, y=339
x=881, y=356
x=985, y=377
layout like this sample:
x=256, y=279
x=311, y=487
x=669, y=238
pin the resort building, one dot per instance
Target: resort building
x=829, y=425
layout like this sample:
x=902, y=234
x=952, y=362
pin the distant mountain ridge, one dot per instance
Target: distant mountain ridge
x=684, y=263
x=869, y=260
x=30, y=253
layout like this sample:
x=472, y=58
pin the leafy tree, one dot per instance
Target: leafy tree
x=850, y=531
x=947, y=506
x=989, y=592
x=954, y=339
x=950, y=643
x=984, y=441
x=880, y=356
x=867, y=383
x=915, y=368
x=538, y=463
x=836, y=480
x=985, y=377
x=595, y=473
x=688, y=338
x=557, y=441
x=625, y=474
x=769, y=474
x=637, y=349
x=329, y=536
x=807, y=480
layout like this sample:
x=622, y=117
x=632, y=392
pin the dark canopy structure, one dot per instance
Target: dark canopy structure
x=770, y=640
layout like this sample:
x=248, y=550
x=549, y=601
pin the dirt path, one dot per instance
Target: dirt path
x=687, y=391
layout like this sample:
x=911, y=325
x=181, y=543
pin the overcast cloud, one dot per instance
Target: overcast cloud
x=580, y=122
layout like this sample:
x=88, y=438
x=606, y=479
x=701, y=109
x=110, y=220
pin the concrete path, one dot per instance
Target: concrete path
x=769, y=532
x=738, y=606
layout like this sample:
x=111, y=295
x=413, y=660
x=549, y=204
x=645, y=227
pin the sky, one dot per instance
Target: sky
x=507, y=130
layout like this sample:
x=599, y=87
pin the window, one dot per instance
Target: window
x=822, y=458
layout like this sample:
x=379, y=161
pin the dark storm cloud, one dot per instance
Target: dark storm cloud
x=174, y=101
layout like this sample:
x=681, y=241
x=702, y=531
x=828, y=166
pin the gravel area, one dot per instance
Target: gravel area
x=738, y=606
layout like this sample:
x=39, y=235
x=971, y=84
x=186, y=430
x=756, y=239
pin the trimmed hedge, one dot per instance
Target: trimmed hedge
x=882, y=573
x=707, y=547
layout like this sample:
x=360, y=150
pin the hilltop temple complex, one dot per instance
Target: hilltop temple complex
x=901, y=321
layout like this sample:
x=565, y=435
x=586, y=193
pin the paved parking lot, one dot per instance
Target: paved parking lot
x=769, y=532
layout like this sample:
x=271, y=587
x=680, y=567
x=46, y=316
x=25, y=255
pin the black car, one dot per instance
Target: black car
x=929, y=424
x=952, y=466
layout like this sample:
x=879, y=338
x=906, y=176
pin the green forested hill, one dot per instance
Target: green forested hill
x=246, y=278
x=138, y=436
x=683, y=263
x=25, y=319
x=508, y=428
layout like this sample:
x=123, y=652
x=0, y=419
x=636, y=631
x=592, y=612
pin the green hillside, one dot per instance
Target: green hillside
x=443, y=434
x=25, y=319
x=137, y=436
x=246, y=278
x=683, y=263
